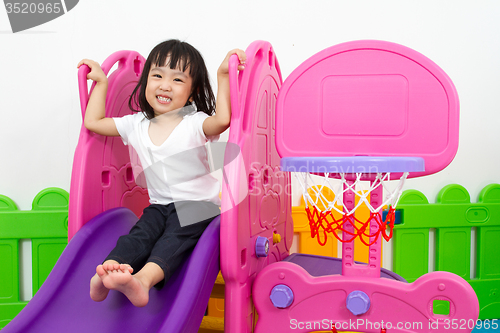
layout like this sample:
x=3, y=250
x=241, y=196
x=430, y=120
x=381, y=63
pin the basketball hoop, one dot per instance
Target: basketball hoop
x=323, y=208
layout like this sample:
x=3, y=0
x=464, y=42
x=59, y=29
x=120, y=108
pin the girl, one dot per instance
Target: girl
x=176, y=115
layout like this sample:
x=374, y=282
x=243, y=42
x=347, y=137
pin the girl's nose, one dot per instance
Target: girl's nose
x=165, y=86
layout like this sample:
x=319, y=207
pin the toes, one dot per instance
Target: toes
x=111, y=267
x=115, y=268
x=101, y=270
x=124, y=268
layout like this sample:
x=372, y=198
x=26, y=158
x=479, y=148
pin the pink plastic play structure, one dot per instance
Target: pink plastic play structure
x=367, y=101
x=361, y=99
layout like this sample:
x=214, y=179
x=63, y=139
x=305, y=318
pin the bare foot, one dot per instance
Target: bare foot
x=98, y=292
x=119, y=277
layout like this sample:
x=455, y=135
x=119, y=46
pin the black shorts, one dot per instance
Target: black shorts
x=164, y=235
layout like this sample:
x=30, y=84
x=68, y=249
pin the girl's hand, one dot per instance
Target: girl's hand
x=219, y=122
x=96, y=73
x=224, y=67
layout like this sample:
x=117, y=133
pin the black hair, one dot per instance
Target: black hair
x=183, y=56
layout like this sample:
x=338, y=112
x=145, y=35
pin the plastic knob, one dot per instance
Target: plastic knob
x=261, y=247
x=276, y=238
x=281, y=296
x=358, y=302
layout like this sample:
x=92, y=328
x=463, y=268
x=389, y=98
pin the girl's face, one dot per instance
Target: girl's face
x=167, y=89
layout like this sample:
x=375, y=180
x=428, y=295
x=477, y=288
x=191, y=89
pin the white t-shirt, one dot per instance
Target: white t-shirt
x=177, y=169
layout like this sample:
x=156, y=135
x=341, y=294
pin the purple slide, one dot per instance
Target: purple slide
x=63, y=303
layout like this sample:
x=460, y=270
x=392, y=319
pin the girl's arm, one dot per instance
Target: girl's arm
x=219, y=122
x=95, y=115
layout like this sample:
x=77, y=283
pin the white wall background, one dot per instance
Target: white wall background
x=40, y=117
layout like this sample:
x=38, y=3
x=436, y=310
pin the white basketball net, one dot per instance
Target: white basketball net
x=321, y=203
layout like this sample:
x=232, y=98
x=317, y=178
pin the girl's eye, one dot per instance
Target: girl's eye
x=157, y=75
x=178, y=80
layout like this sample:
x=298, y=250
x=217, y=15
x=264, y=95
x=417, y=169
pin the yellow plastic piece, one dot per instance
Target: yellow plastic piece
x=276, y=238
x=211, y=325
x=214, y=320
x=216, y=308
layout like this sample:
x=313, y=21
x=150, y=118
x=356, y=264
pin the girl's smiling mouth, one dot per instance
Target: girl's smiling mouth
x=163, y=99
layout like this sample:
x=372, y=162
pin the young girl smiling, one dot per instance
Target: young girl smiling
x=177, y=114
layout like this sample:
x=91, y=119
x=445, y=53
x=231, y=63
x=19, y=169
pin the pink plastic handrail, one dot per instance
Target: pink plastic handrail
x=102, y=176
x=255, y=211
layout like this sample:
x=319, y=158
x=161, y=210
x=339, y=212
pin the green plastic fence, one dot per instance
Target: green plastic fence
x=46, y=225
x=453, y=217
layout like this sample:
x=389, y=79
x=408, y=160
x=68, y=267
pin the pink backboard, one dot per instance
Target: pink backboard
x=369, y=98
